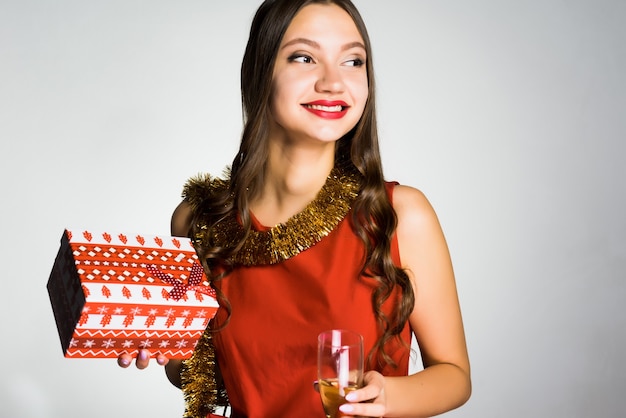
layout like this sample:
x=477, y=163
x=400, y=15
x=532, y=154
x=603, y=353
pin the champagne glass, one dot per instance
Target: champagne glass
x=339, y=367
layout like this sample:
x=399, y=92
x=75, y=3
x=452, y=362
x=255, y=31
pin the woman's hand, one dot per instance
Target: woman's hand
x=370, y=400
x=142, y=360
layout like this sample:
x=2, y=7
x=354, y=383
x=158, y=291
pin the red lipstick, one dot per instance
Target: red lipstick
x=327, y=109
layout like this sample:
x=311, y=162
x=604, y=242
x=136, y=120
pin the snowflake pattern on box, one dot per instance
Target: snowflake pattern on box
x=115, y=293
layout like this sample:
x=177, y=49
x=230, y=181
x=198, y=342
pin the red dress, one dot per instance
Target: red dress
x=267, y=352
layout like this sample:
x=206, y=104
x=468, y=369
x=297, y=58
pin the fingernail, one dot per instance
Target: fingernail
x=347, y=408
x=142, y=355
x=124, y=362
x=350, y=397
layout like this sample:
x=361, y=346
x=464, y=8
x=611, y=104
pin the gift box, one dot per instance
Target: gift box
x=116, y=293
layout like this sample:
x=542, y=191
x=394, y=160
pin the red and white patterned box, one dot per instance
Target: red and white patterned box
x=113, y=293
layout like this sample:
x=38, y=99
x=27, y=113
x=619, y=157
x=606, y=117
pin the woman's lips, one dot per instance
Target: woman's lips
x=327, y=109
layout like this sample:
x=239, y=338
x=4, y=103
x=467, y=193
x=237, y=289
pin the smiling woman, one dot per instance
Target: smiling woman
x=319, y=69
x=306, y=236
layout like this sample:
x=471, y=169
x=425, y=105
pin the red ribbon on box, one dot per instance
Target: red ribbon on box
x=180, y=288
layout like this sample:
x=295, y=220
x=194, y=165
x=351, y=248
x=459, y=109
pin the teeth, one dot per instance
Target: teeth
x=325, y=108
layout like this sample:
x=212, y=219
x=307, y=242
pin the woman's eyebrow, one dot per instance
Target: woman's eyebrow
x=316, y=45
x=302, y=41
x=351, y=45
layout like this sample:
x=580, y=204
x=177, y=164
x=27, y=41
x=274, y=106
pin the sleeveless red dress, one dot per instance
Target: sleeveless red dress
x=267, y=352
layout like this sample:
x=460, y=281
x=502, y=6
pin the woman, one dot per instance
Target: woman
x=305, y=235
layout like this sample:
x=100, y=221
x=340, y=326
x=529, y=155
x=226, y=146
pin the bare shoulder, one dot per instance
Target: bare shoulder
x=181, y=220
x=420, y=237
x=412, y=207
x=196, y=191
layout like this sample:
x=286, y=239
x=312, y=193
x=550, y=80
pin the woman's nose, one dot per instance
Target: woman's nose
x=329, y=80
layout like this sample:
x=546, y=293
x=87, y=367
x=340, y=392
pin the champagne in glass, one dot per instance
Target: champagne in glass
x=339, y=367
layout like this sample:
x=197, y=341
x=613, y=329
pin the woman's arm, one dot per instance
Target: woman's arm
x=445, y=382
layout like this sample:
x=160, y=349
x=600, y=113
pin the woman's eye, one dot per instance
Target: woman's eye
x=304, y=59
x=357, y=62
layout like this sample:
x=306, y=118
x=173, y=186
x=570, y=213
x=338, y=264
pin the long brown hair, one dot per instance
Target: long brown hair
x=373, y=216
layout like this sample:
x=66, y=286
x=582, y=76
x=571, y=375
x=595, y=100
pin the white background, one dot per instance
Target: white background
x=509, y=115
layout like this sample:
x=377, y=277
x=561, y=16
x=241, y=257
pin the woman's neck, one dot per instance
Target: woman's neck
x=293, y=178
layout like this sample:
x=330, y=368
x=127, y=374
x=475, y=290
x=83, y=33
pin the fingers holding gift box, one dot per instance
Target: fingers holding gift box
x=114, y=294
x=142, y=360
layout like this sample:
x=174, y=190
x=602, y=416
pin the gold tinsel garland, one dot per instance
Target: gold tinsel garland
x=285, y=240
x=199, y=383
x=300, y=232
